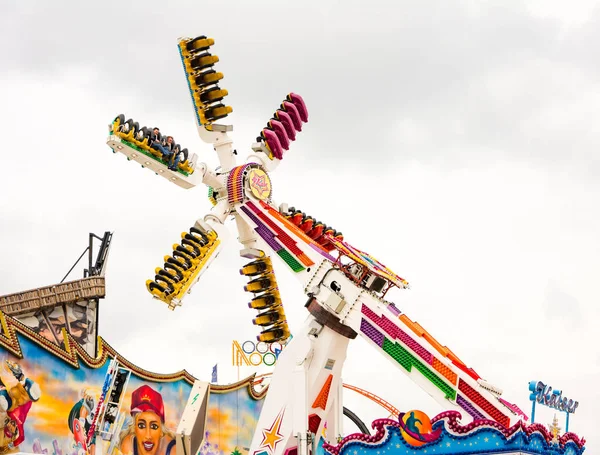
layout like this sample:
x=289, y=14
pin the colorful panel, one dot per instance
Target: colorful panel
x=235, y=184
x=514, y=408
x=263, y=231
x=483, y=404
x=469, y=408
x=290, y=261
x=407, y=360
x=443, y=350
x=443, y=369
x=397, y=333
x=323, y=396
x=395, y=311
x=375, y=335
x=283, y=237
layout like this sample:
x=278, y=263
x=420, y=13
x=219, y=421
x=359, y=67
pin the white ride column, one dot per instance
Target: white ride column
x=303, y=389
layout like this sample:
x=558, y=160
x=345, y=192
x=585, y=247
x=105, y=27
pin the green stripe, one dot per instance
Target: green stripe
x=290, y=260
x=407, y=360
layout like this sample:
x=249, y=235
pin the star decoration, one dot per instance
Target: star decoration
x=259, y=181
x=272, y=437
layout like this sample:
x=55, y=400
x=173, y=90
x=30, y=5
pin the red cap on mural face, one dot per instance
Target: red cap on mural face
x=146, y=399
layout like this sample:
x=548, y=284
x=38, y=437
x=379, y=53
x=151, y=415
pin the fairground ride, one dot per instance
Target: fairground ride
x=346, y=288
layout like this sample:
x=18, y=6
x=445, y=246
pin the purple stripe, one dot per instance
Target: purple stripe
x=325, y=254
x=393, y=309
x=263, y=231
x=463, y=403
x=372, y=332
x=267, y=236
x=250, y=215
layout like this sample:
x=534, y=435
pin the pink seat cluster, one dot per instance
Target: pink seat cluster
x=282, y=128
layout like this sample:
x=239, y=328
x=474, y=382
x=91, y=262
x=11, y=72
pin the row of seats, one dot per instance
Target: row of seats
x=282, y=128
x=203, y=79
x=314, y=229
x=267, y=300
x=184, y=264
x=131, y=132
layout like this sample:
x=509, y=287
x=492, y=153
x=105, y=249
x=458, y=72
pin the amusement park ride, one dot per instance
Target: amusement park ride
x=346, y=288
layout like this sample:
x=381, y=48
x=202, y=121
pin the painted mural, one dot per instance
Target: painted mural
x=78, y=319
x=231, y=420
x=49, y=395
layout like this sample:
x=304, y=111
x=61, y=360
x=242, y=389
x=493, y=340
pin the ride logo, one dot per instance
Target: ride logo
x=544, y=394
x=254, y=354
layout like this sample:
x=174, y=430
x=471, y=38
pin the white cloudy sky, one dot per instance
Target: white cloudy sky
x=457, y=142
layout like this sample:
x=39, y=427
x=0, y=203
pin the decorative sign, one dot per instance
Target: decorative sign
x=260, y=183
x=415, y=428
x=543, y=394
x=250, y=353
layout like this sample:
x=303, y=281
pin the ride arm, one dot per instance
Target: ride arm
x=408, y=346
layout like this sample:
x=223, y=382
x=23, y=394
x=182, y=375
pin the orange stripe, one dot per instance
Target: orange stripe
x=444, y=371
x=438, y=347
x=322, y=397
x=305, y=259
x=234, y=185
x=408, y=322
x=416, y=328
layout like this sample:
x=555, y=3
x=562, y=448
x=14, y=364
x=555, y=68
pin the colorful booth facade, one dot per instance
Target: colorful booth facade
x=414, y=433
x=49, y=394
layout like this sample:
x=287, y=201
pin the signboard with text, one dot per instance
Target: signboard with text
x=543, y=394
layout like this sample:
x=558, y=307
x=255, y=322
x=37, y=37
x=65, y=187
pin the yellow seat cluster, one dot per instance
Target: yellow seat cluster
x=267, y=301
x=138, y=138
x=203, y=80
x=181, y=269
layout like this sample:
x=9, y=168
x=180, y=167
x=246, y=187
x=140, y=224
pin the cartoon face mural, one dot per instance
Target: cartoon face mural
x=146, y=433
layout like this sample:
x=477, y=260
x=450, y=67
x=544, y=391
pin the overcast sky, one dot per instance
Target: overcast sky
x=457, y=142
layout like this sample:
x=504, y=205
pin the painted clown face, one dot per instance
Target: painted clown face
x=148, y=432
